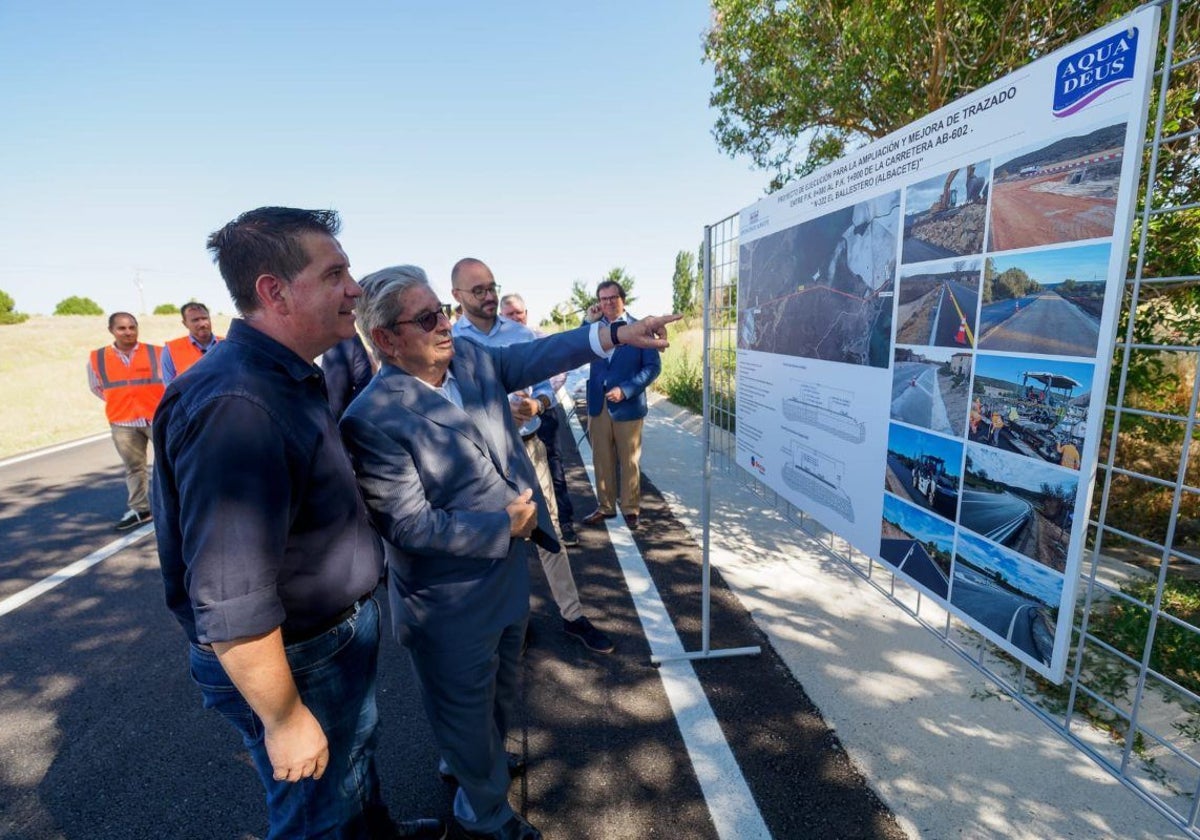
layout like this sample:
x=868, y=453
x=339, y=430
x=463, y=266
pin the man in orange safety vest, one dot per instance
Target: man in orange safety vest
x=127, y=375
x=181, y=353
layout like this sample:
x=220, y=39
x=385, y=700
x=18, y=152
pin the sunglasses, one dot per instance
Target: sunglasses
x=428, y=321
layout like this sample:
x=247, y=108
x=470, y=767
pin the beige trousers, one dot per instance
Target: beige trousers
x=556, y=566
x=616, y=443
x=132, y=444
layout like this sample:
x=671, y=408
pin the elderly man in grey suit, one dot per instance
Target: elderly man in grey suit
x=454, y=495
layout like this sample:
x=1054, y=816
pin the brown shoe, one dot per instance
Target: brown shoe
x=631, y=521
x=596, y=517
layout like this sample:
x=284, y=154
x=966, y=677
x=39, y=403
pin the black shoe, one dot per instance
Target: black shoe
x=597, y=517
x=631, y=521
x=516, y=767
x=569, y=537
x=586, y=632
x=133, y=518
x=420, y=830
x=515, y=829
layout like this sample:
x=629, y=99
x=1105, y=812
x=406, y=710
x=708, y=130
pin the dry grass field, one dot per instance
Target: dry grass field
x=44, y=396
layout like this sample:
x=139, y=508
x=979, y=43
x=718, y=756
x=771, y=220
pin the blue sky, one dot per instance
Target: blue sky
x=552, y=140
x=1010, y=369
x=1033, y=579
x=920, y=525
x=1085, y=264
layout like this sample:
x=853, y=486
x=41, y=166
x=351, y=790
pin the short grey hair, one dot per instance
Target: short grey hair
x=382, y=290
x=511, y=297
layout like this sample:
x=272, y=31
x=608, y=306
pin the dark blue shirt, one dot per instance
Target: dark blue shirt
x=257, y=512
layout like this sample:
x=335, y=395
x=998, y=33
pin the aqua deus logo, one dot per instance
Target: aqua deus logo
x=1086, y=75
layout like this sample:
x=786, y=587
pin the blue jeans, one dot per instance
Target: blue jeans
x=335, y=674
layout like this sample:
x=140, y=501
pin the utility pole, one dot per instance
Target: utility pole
x=137, y=281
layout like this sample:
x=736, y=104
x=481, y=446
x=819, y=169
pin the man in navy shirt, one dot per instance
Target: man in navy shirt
x=267, y=554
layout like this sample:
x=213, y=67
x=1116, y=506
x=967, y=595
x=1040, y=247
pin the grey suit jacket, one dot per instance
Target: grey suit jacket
x=437, y=478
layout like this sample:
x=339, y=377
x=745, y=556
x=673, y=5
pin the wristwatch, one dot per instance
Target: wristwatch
x=612, y=332
x=544, y=402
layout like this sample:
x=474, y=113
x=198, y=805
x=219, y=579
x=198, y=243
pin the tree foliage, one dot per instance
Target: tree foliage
x=798, y=83
x=584, y=296
x=76, y=305
x=166, y=309
x=8, y=310
x=683, y=284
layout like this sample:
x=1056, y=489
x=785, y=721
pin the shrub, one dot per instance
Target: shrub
x=166, y=309
x=8, y=310
x=75, y=305
x=682, y=380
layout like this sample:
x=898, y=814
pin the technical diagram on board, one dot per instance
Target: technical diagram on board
x=826, y=408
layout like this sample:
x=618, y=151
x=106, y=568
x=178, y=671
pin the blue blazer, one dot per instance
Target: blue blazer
x=347, y=368
x=436, y=479
x=629, y=368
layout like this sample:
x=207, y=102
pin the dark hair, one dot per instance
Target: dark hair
x=113, y=317
x=191, y=304
x=604, y=284
x=266, y=241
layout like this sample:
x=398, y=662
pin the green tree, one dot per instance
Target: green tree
x=683, y=284
x=8, y=310
x=563, y=316
x=798, y=83
x=76, y=305
x=584, y=296
x=166, y=309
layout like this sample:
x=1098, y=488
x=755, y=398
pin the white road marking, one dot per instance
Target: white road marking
x=50, y=450
x=730, y=802
x=44, y=585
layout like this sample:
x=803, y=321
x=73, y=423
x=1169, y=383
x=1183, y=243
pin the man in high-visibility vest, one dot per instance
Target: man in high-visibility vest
x=127, y=375
x=181, y=353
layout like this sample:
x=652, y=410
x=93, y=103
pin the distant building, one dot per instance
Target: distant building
x=960, y=363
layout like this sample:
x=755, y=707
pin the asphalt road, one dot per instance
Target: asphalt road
x=997, y=516
x=1005, y=613
x=957, y=304
x=916, y=397
x=1049, y=324
x=102, y=734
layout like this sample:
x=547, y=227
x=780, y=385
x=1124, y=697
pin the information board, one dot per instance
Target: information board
x=925, y=328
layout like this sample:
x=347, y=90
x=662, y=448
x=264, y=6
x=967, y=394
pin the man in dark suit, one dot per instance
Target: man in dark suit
x=454, y=495
x=616, y=406
x=347, y=368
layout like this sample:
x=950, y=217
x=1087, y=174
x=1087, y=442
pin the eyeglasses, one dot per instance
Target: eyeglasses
x=609, y=298
x=480, y=292
x=428, y=321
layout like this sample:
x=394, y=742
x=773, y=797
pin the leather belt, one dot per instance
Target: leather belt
x=295, y=637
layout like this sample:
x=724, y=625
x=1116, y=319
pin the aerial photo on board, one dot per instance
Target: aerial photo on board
x=1033, y=407
x=944, y=215
x=936, y=303
x=929, y=388
x=1045, y=302
x=917, y=545
x=1025, y=505
x=1063, y=191
x=823, y=289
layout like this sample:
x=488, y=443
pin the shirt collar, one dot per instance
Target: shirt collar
x=243, y=332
